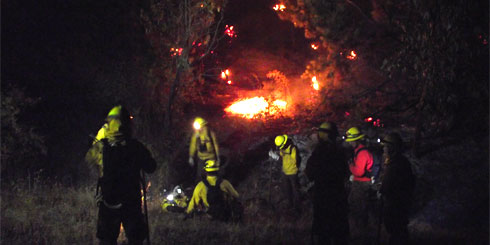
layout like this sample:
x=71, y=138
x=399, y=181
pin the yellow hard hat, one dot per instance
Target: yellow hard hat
x=211, y=166
x=119, y=112
x=199, y=122
x=353, y=134
x=280, y=141
x=329, y=127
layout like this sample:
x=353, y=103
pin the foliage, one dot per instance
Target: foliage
x=182, y=34
x=21, y=144
x=415, y=59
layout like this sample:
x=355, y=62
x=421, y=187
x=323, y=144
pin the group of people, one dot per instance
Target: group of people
x=341, y=213
x=122, y=161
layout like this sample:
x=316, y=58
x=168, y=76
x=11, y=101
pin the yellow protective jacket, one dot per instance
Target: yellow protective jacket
x=199, y=197
x=289, y=160
x=205, y=144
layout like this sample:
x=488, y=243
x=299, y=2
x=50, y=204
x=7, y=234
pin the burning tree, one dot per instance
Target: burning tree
x=182, y=34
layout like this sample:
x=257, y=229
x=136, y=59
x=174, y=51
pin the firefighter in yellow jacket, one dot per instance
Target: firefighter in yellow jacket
x=289, y=154
x=204, y=145
x=213, y=195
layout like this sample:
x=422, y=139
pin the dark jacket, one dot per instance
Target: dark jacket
x=398, y=181
x=327, y=166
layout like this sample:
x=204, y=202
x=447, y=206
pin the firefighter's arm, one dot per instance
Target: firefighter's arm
x=195, y=198
x=228, y=188
x=94, y=156
x=192, y=145
x=293, y=156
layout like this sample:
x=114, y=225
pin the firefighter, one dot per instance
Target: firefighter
x=120, y=160
x=289, y=154
x=327, y=167
x=396, y=189
x=204, y=145
x=213, y=195
x=360, y=197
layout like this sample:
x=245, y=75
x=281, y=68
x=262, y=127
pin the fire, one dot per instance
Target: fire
x=279, y=7
x=352, y=55
x=176, y=51
x=314, y=46
x=229, y=30
x=256, y=107
x=314, y=83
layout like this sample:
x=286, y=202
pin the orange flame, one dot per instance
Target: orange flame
x=314, y=46
x=279, y=7
x=256, y=107
x=314, y=83
x=352, y=55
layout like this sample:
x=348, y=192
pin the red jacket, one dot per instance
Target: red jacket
x=360, y=163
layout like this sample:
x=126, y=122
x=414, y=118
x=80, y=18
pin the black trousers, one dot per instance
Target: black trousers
x=109, y=222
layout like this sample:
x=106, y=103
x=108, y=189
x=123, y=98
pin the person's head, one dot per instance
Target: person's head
x=392, y=145
x=353, y=136
x=211, y=167
x=199, y=123
x=281, y=141
x=119, y=121
x=328, y=132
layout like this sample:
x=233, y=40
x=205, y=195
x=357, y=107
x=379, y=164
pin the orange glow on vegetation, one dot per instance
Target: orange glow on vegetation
x=256, y=107
x=279, y=7
x=314, y=83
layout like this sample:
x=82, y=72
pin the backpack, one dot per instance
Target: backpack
x=217, y=206
x=375, y=171
x=120, y=175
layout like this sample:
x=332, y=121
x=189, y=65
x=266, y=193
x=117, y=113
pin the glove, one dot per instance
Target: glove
x=191, y=161
x=351, y=178
x=273, y=155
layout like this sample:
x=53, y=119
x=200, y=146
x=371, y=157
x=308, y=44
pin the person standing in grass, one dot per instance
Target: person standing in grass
x=360, y=196
x=396, y=189
x=121, y=160
x=289, y=154
x=327, y=168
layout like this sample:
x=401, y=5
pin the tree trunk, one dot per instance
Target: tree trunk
x=171, y=98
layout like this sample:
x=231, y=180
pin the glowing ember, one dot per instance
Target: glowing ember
x=256, y=107
x=314, y=83
x=176, y=51
x=229, y=30
x=314, y=46
x=229, y=82
x=279, y=7
x=223, y=75
x=352, y=55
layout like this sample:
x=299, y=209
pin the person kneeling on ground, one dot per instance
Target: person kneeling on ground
x=213, y=195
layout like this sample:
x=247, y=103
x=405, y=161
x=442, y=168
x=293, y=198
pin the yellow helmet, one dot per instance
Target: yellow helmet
x=329, y=127
x=211, y=166
x=199, y=122
x=280, y=141
x=353, y=134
